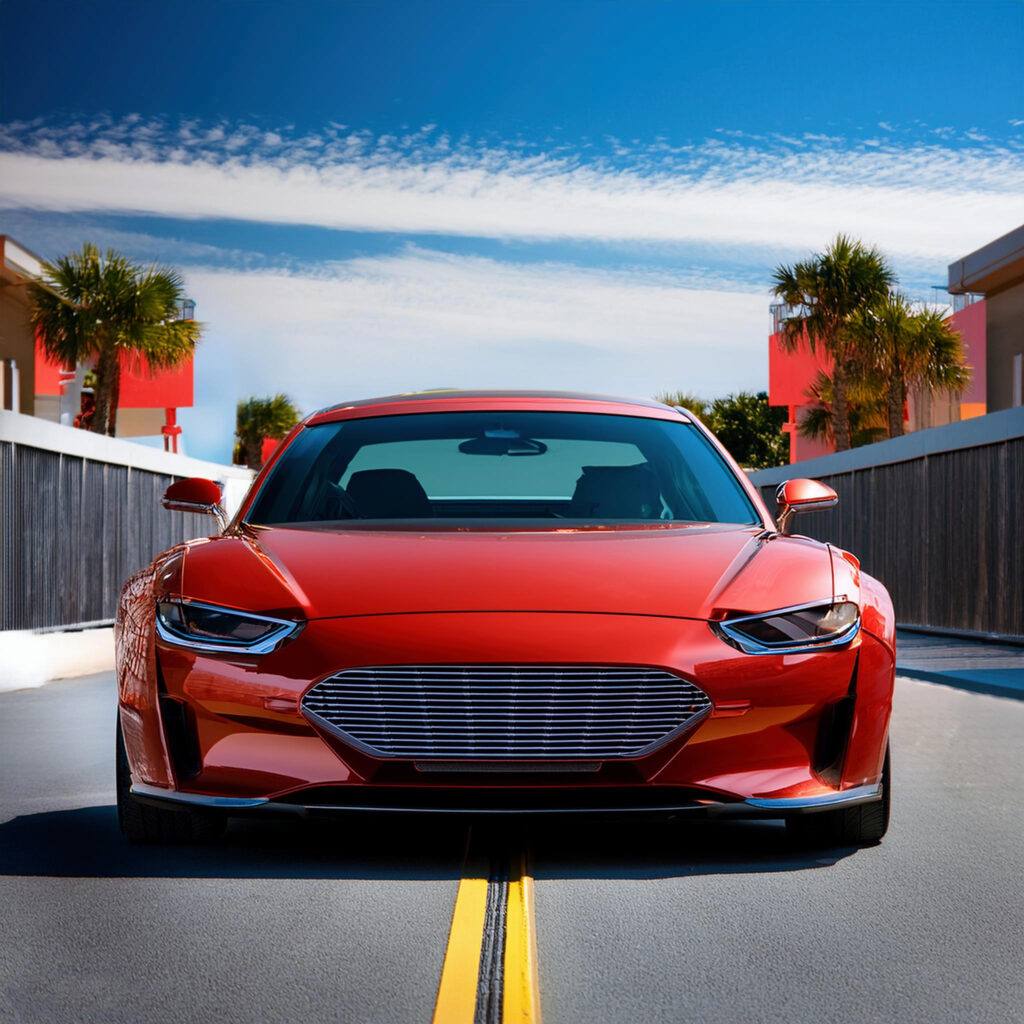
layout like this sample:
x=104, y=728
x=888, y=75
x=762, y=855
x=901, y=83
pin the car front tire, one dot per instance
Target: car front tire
x=144, y=823
x=863, y=825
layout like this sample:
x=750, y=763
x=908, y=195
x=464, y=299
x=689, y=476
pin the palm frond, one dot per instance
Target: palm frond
x=685, y=399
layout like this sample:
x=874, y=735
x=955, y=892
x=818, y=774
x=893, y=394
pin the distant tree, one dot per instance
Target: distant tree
x=745, y=423
x=751, y=429
x=88, y=306
x=260, y=418
x=822, y=293
x=907, y=348
x=866, y=410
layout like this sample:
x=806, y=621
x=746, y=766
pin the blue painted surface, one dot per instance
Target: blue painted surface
x=996, y=669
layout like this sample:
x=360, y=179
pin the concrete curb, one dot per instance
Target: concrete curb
x=29, y=659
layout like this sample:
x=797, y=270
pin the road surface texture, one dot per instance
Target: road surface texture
x=635, y=922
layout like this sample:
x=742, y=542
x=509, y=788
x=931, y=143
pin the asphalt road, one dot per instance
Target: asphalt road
x=635, y=923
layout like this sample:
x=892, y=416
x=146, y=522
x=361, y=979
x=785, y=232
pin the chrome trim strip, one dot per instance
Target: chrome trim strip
x=823, y=801
x=750, y=646
x=264, y=645
x=176, y=796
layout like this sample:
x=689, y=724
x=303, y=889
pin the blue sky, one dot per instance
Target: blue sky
x=376, y=197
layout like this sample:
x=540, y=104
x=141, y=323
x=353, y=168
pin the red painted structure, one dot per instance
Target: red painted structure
x=268, y=448
x=970, y=322
x=141, y=388
x=790, y=376
x=802, y=728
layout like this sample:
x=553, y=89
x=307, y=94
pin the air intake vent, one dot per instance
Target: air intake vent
x=490, y=712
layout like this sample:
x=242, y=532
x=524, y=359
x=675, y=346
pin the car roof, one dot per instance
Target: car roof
x=460, y=394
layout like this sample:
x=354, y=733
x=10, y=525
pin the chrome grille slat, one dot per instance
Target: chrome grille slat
x=496, y=712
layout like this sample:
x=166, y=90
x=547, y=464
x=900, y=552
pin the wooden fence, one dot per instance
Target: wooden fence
x=75, y=523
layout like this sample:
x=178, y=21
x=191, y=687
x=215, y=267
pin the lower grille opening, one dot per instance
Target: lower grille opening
x=834, y=728
x=182, y=737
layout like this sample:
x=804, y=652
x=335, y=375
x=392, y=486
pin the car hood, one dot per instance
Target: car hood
x=689, y=571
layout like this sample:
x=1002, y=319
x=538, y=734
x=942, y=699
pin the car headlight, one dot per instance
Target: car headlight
x=802, y=628
x=206, y=627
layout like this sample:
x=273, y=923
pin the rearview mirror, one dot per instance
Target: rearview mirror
x=502, y=446
x=196, y=494
x=802, y=496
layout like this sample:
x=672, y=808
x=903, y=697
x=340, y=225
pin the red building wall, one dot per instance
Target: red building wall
x=790, y=376
x=165, y=389
x=970, y=323
x=47, y=373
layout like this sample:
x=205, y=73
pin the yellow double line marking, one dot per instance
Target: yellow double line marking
x=459, y=990
x=521, y=989
x=460, y=976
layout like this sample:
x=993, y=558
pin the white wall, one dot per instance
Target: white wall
x=34, y=432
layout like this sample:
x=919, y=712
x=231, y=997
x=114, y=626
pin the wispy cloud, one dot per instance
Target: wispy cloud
x=728, y=209
x=913, y=200
x=424, y=319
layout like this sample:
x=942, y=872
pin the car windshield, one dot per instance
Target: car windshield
x=507, y=465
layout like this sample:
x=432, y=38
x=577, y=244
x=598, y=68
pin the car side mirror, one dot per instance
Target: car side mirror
x=196, y=494
x=802, y=496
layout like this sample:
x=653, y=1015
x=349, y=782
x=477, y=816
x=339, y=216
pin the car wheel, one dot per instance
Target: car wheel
x=143, y=823
x=863, y=825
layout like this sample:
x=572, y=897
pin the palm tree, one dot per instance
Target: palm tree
x=260, y=418
x=866, y=409
x=88, y=306
x=822, y=293
x=908, y=348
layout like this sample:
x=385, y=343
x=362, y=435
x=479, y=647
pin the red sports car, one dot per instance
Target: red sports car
x=504, y=602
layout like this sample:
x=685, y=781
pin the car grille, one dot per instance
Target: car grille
x=505, y=711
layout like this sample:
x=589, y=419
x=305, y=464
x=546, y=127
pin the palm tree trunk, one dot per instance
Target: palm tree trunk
x=254, y=452
x=115, y=399
x=840, y=408
x=106, y=366
x=896, y=397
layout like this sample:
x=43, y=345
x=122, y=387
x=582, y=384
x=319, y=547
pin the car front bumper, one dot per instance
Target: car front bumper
x=762, y=750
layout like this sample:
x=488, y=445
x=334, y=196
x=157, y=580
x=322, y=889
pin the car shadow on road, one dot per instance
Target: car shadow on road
x=86, y=843
x=672, y=850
